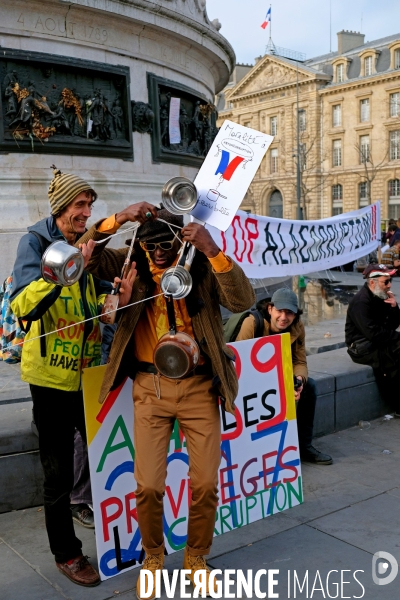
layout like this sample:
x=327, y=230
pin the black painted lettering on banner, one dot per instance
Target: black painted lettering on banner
x=304, y=259
x=272, y=246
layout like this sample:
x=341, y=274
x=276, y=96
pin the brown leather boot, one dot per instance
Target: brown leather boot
x=153, y=563
x=198, y=563
x=80, y=571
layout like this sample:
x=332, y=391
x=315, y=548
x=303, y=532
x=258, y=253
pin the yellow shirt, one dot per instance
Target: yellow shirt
x=153, y=323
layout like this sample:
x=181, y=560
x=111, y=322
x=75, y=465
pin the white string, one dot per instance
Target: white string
x=79, y=322
x=134, y=227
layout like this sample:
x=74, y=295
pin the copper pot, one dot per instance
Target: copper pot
x=176, y=355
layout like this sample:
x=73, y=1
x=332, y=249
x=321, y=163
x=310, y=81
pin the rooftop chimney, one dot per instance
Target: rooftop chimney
x=347, y=40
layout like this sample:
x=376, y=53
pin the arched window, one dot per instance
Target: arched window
x=394, y=198
x=337, y=199
x=276, y=205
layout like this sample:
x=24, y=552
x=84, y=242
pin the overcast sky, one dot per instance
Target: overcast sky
x=301, y=25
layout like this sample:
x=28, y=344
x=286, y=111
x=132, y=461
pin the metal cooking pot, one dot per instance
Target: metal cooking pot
x=62, y=264
x=176, y=355
x=177, y=281
x=179, y=195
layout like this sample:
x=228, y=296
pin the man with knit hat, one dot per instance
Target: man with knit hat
x=159, y=400
x=52, y=364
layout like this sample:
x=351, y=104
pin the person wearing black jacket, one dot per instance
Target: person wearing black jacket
x=371, y=337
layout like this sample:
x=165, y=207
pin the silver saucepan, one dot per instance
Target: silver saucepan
x=177, y=280
x=179, y=195
x=62, y=264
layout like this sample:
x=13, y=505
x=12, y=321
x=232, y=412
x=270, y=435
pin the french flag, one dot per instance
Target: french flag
x=267, y=19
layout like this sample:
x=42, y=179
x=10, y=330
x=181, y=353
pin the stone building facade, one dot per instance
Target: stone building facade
x=349, y=122
x=127, y=56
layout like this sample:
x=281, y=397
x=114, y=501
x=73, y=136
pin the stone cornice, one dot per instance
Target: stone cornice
x=271, y=90
x=252, y=74
x=151, y=14
x=158, y=9
x=340, y=88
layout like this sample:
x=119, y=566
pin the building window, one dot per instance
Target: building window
x=273, y=125
x=274, y=160
x=395, y=104
x=303, y=157
x=394, y=198
x=394, y=145
x=340, y=73
x=364, y=110
x=397, y=59
x=364, y=149
x=363, y=193
x=337, y=153
x=368, y=66
x=337, y=199
x=337, y=115
x=302, y=119
x=247, y=124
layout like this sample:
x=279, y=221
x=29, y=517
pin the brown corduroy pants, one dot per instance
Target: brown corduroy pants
x=194, y=403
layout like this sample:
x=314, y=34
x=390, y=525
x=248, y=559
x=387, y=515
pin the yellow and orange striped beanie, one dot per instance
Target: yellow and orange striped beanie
x=64, y=188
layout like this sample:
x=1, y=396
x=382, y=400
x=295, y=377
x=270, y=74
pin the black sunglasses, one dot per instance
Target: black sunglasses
x=151, y=246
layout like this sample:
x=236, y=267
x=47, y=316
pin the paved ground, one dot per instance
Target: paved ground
x=350, y=512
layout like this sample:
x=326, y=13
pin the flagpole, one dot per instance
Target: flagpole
x=270, y=23
x=299, y=211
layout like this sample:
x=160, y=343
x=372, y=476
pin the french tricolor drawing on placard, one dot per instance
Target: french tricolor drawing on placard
x=267, y=19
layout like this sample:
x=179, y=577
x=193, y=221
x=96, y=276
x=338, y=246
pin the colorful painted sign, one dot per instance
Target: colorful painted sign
x=227, y=172
x=260, y=471
x=268, y=247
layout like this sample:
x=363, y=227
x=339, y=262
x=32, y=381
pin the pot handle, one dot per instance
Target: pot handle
x=171, y=313
x=187, y=256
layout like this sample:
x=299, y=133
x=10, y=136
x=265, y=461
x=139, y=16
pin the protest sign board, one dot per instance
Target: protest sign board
x=259, y=473
x=227, y=172
x=268, y=247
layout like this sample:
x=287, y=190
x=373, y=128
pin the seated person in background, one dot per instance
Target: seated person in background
x=282, y=315
x=391, y=257
x=390, y=233
x=371, y=337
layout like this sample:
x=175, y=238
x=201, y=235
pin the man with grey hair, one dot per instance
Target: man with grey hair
x=371, y=337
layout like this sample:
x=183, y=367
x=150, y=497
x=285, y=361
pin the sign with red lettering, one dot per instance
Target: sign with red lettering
x=268, y=247
x=259, y=474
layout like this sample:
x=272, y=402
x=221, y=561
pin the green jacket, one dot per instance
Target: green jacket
x=55, y=360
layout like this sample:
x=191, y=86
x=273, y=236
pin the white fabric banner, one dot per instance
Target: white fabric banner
x=268, y=247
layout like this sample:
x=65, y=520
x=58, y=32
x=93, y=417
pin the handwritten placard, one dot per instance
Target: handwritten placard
x=174, y=127
x=227, y=172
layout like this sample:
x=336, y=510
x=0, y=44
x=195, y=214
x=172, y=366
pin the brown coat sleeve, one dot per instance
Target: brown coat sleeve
x=105, y=263
x=234, y=290
x=299, y=358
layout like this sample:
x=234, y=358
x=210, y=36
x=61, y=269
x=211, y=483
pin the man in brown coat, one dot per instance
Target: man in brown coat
x=283, y=315
x=158, y=400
